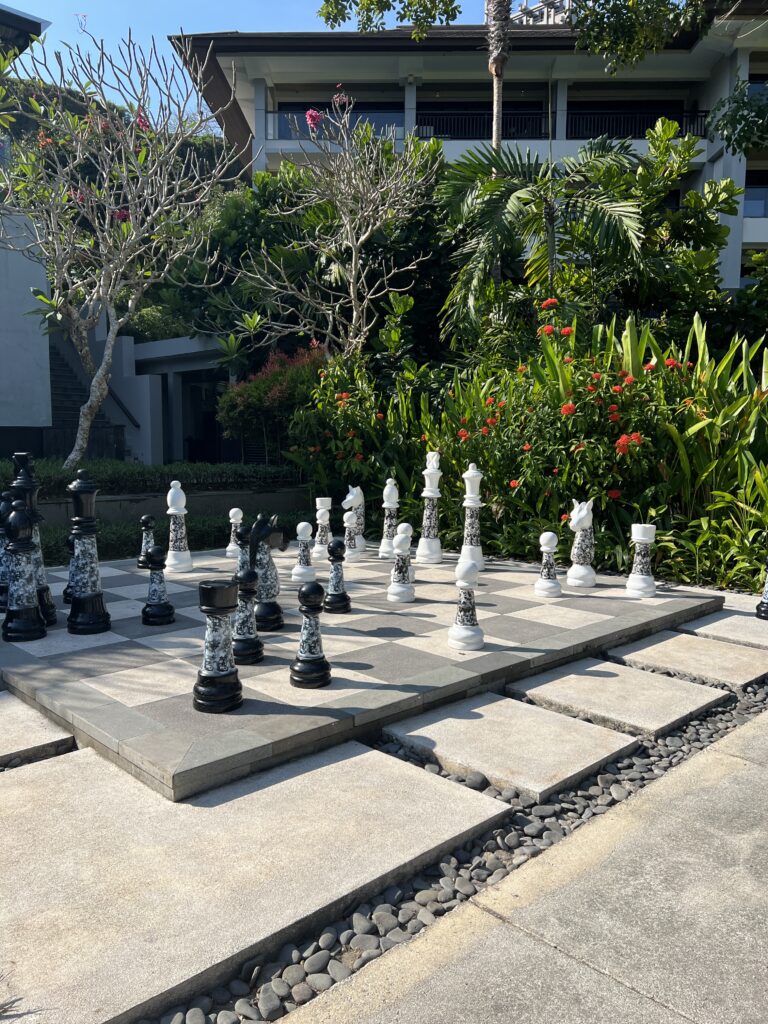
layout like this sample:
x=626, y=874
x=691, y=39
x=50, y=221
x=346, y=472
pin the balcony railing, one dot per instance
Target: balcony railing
x=462, y=124
x=628, y=124
x=756, y=201
x=283, y=124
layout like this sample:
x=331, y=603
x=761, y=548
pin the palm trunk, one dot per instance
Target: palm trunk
x=498, y=90
x=96, y=395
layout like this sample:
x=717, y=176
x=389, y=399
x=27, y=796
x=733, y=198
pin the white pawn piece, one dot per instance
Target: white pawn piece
x=471, y=548
x=304, y=571
x=323, y=533
x=406, y=530
x=179, y=559
x=465, y=634
x=235, y=520
x=581, y=574
x=429, y=550
x=350, y=536
x=548, y=585
x=640, y=582
x=355, y=502
x=390, y=504
x=401, y=590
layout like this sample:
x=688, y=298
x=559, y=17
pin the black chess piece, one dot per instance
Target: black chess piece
x=761, y=609
x=337, y=599
x=87, y=613
x=310, y=669
x=218, y=687
x=247, y=645
x=158, y=611
x=147, y=524
x=26, y=487
x=66, y=595
x=23, y=618
x=6, y=505
x=269, y=614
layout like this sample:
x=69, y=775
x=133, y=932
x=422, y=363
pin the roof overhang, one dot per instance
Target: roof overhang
x=18, y=28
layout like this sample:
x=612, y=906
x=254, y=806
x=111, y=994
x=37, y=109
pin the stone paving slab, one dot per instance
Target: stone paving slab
x=513, y=744
x=645, y=703
x=735, y=627
x=695, y=658
x=27, y=734
x=116, y=903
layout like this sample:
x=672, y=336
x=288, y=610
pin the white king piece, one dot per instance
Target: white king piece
x=323, y=533
x=429, y=550
x=390, y=504
x=471, y=549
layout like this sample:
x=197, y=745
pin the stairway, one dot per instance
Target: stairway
x=68, y=393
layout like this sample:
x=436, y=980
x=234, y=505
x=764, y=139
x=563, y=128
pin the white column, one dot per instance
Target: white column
x=259, y=127
x=409, y=103
x=734, y=165
x=560, y=113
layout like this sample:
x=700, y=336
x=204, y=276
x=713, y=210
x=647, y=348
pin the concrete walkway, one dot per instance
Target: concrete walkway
x=653, y=914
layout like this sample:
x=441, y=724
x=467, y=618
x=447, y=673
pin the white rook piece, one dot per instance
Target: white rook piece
x=390, y=504
x=406, y=530
x=179, y=558
x=581, y=574
x=429, y=550
x=548, y=585
x=471, y=548
x=355, y=502
x=235, y=520
x=303, y=571
x=401, y=590
x=323, y=533
x=350, y=536
x=640, y=582
x=465, y=634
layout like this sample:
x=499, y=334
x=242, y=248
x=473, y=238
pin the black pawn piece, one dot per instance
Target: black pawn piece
x=761, y=611
x=310, y=669
x=87, y=615
x=23, y=619
x=158, y=611
x=147, y=524
x=247, y=645
x=337, y=599
x=6, y=506
x=66, y=595
x=218, y=687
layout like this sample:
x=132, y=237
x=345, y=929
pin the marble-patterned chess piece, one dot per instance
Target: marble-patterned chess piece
x=158, y=610
x=548, y=585
x=179, y=558
x=303, y=571
x=323, y=532
x=350, y=536
x=26, y=487
x=87, y=614
x=6, y=505
x=147, y=524
x=640, y=582
x=218, y=686
x=761, y=608
x=406, y=530
x=235, y=520
x=336, y=597
x=472, y=548
x=581, y=574
x=429, y=551
x=247, y=645
x=390, y=504
x=66, y=594
x=23, y=619
x=465, y=634
x=269, y=614
x=355, y=502
x=310, y=669
x=243, y=535
x=401, y=589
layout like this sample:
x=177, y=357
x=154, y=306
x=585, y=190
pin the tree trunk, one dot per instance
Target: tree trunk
x=498, y=92
x=96, y=395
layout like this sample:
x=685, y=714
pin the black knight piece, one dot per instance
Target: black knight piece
x=87, y=613
x=247, y=645
x=218, y=686
x=269, y=614
x=147, y=524
x=336, y=599
x=23, y=619
x=26, y=487
x=310, y=669
x=158, y=611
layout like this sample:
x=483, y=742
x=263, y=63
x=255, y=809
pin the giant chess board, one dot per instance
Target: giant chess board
x=128, y=692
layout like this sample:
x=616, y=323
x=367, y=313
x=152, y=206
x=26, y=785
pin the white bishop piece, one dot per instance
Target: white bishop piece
x=304, y=571
x=179, y=559
x=235, y=520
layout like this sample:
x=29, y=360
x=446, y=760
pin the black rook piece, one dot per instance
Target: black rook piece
x=6, y=504
x=147, y=524
x=218, y=685
x=158, y=611
x=87, y=614
x=26, y=487
x=247, y=646
x=761, y=611
x=23, y=619
x=310, y=669
x=337, y=599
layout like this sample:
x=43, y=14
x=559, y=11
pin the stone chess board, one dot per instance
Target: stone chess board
x=128, y=692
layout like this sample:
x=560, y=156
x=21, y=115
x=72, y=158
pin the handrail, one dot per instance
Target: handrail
x=123, y=408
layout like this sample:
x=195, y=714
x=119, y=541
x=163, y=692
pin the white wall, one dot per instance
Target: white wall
x=25, y=383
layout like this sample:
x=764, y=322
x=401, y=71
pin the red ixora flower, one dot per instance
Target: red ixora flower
x=567, y=359
x=689, y=365
x=649, y=367
x=491, y=421
x=670, y=363
x=564, y=517
x=514, y=483
x=597, y=376
x=549, y=303
x=345, y=395
x=522, y=368
x=613, y=493
x=637, y=437
x=526, y=447
x=490, y=401
x=566, y=331
x=613, y=408
x=622, y=444
x=483, y=430
x=579, y=446
x=555, y=471
x=629, y=380
x=591, y=387
x=501, y=404
x=463, y=419
x=314, y=119
x=379, y=415
x=463, y=434
x=423, y=437
x=359, y=456
x=568, y=409
x=547, y=329
x=351, y=433
x=614, y=417
x=623, y=373
x=617, y=389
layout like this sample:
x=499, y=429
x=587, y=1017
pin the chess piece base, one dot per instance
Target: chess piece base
x=319, y=550
x=46, y=605
x=88, y=616
x=217, y=694
x=303, y=574
x=178, y=561
x=401, y=593
x=761, y=610
x=583, y=576
x=248, y=650
x=310, y=674
x=23, y=624
x=465, y=638
x=66, y=595
x=3, y=597
x=337, y=603
x=354, y=554
x=232, y=550
x=386, y=550
x=640, y=586
x=547, y=588
x=472, y=553
x=429, y=551
x=162, y=614
x=269, y=616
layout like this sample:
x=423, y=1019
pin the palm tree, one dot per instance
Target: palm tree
x=497, y=19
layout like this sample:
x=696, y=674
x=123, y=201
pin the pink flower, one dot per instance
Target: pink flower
x=314, y=119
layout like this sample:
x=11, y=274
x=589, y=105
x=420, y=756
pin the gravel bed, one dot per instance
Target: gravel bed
x=271, y=987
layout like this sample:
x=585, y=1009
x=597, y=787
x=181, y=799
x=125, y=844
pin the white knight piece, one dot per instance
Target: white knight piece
x=429, y=550
x=581, y=574
x=390, y=504
x=355, y=502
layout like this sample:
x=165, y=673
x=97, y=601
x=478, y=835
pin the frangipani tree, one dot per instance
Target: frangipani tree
x=107, y=193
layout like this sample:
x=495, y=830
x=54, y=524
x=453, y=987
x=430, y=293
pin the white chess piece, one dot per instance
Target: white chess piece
x=581, y=574
x=304, y=571
x=179, y=559
x=351, y=539
x=548, y=585
x=401, y=590
x=390, y=504
x=355, y=502
x=472, y=548
x=429, y=550
x=640, y=582
x=323, y=533
x=406, y=530
x=465, y=634
x=235, y=520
